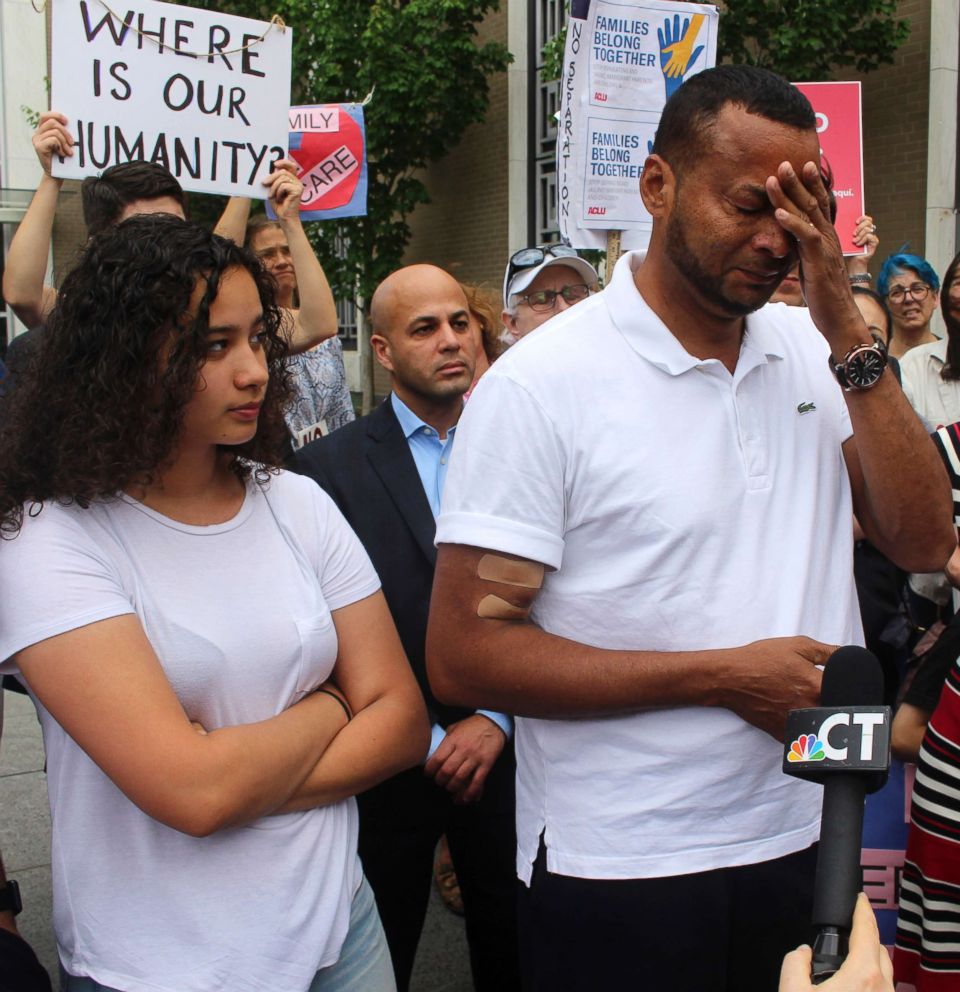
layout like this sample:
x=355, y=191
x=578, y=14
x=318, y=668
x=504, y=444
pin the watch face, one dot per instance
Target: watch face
x=864, y=368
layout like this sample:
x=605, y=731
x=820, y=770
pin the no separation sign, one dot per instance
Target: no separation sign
x=204, y=94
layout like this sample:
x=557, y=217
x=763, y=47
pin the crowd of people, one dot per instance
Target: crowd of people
x=280, y=652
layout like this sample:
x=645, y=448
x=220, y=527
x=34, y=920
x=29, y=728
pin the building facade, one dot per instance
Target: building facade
x=910, y=109
x=495, y=192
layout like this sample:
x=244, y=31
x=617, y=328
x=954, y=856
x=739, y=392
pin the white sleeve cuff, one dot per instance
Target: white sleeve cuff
x=500, y=534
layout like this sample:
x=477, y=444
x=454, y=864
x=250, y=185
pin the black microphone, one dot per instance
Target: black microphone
x=845, y=745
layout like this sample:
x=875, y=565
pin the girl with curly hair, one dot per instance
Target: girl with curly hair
x=214, y=665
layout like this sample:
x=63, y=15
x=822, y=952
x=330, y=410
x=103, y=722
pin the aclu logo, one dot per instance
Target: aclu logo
x=821, y=740
x=596, y=211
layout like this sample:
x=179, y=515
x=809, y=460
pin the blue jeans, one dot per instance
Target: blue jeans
x=364, y=963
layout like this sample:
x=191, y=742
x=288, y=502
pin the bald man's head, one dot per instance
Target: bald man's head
x=421, y=334
x=408, y=286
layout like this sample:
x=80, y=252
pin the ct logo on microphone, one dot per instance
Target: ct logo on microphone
x=824, y=740
x=817, y=747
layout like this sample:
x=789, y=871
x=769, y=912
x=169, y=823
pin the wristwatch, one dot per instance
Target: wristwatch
x=862, y=365
x=10, y=898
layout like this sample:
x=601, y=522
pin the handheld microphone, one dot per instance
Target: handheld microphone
x=845, y=745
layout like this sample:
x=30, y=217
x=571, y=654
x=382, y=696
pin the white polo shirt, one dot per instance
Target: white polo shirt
x=936, y=399
x=681, y=508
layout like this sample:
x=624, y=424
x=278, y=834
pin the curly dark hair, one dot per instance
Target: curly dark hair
x=100, y=405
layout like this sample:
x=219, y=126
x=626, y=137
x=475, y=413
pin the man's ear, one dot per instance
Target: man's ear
x=509, y=320
x=657, y=186
x=381, y=350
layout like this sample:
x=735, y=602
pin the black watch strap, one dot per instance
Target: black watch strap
x=862, y=366
x=10, y=901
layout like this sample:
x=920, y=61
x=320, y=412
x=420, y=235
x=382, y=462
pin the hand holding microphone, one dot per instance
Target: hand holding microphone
x=867, y=968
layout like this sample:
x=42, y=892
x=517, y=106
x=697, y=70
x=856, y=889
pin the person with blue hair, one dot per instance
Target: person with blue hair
x=912, y=290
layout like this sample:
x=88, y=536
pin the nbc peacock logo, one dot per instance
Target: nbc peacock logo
x=806, y=748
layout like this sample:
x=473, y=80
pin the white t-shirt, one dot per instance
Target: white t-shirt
x=682, y=508
x=239, y=616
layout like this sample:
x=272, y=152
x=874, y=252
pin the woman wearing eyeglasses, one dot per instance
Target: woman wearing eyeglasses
x=910, y=287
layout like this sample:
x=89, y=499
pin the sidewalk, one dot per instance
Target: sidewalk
x=442, y=964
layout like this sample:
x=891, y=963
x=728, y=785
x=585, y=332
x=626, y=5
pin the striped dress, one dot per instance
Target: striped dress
x=947, y=440
x=927, y=952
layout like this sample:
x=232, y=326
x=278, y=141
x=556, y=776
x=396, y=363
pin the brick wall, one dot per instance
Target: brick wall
x=895, y=110
x=464, y=227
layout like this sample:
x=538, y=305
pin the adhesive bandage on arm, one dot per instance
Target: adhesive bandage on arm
x=511, y=572
x=494, y=608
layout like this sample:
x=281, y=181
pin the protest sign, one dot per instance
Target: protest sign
x=328, y=143
x=886, y=824
x=837, y=106
x=201, y=93
x=622, y=61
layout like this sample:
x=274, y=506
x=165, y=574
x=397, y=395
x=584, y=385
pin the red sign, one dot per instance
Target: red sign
x=327, y=141
x=837, y=106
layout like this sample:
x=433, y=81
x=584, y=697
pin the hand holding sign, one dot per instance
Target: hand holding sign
x=199, y=92
x=865, y=236
x=52, y=138
x=285, y=190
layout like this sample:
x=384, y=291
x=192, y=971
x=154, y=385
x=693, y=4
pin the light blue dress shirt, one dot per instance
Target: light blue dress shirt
x=431, y=455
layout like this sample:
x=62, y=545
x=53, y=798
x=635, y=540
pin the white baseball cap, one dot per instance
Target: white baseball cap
x=525, y=265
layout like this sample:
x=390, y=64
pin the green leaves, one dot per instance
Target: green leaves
x=807, y=40
x=803, y=40
x=430, y=75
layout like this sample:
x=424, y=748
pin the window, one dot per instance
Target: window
x=549, y=18
x=346, y=308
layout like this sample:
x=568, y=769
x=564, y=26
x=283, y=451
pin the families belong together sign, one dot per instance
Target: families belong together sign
x=622, y=62
x=203, y=94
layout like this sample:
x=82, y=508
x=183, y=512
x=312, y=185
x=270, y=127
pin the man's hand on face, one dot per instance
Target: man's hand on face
x=464, y=758
x=803, y=210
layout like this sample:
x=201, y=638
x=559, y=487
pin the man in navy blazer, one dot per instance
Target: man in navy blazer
x=386, y=473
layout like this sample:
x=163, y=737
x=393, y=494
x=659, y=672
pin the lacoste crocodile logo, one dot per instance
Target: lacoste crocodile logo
x=807, y=407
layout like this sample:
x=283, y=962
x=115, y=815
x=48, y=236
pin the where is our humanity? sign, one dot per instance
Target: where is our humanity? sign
x=203, y=94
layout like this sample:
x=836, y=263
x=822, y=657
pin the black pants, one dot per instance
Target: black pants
x=401, y=822
x=718, y=931
x=20, y=971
